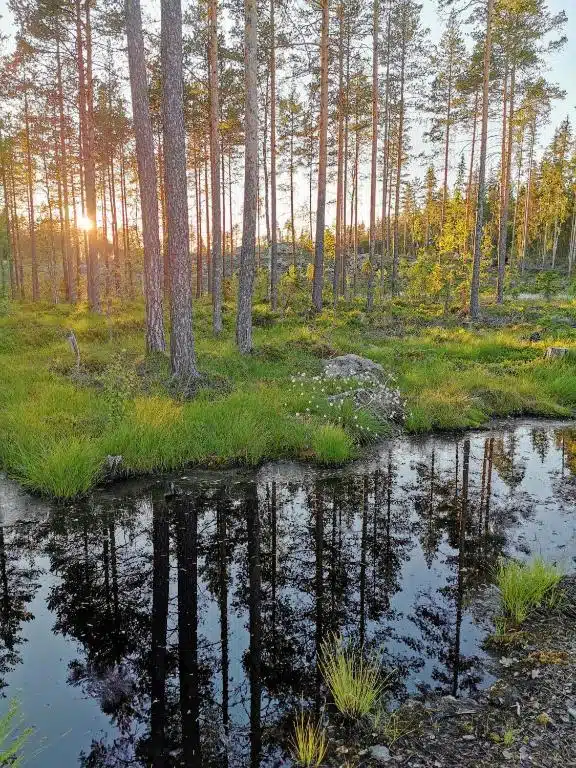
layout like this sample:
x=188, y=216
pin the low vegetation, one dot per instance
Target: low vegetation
x=59, y=421
x=12, y=738
x=355, y=682
x=309, y=741
x=526, y=586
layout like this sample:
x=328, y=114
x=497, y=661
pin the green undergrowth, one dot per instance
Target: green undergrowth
x=58, y=423
x=526, y=586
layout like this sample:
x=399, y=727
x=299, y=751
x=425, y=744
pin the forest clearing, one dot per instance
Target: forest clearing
x=287, y=384
x=63, y=416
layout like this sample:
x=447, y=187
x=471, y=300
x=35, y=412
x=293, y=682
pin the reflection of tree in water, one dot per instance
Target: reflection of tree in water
x=565, y=441
x=19, y=581
x=540, y=440
x=200, y=613
x=463, y=520
x=511, y=468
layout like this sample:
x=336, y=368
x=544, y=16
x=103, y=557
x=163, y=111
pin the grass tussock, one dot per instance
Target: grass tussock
x=309, y=743
x=355, y=682
x=331, y=445
x=12, y=738
x=58, y=424
x=526, y=586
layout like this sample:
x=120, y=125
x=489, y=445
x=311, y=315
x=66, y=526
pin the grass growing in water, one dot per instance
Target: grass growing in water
x=526, y=586
x=11, y=742
x=309, y=741
x=355, y=682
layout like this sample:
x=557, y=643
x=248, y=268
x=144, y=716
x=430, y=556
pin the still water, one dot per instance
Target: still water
x=180, y=617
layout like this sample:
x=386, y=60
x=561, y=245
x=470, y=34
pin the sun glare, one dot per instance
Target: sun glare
x=84, y=223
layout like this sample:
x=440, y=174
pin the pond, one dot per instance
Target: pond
x=180, y=616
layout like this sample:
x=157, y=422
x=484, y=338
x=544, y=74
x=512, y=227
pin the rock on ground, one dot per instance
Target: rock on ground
x=346, y=366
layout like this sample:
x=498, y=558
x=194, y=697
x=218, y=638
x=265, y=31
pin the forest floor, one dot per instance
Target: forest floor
x=59, y=422
x=526, y=718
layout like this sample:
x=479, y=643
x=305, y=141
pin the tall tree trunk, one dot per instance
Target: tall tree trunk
x=128, y=273
x=518, y=183
x=399, y=161
x=63, y=176
x=481, y=201
x=265, y=160
x=199, y=245
x=14, y=288
x=322, y=161
x=356, y=195
x=114, y=222
x=215, y=273
x=207, y=198
x=182, y=351
x=31, y=216
x=223, y=185
x=471, y=169
x=162, y=195
x=291, y=173
x=77, y=248
x=506, y=174
x=147, y=179
x=340, y=159
x=230, y=211
x=374, y=158
x=386, y=162
x=247, y=252
x=90, y=168
x=273, y=152
x=52, y=257
x=447, y=142
x=104, y=241
x=344, y=265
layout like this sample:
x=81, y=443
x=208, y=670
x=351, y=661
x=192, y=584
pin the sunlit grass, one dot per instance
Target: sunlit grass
x=355, y=682
x=57, y=428
x=526, y=586
x=12, y=739
x=309, y=743
x=331, y=444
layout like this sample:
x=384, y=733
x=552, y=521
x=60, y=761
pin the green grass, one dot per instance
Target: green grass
x=331, y=444
x=309, y=742
x=526, y=586
x=57, y=426
x=355, y=682
x=11, y=740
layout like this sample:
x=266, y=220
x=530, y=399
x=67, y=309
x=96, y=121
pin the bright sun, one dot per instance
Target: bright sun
x=84, y=222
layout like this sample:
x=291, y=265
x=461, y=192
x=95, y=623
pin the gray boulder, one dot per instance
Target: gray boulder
x=345, y=366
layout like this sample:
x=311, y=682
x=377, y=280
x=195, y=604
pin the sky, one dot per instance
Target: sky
x=562, y=70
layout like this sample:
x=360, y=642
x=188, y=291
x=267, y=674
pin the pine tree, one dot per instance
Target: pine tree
x=182, y=352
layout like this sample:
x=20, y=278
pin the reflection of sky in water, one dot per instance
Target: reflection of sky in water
x=402, y=555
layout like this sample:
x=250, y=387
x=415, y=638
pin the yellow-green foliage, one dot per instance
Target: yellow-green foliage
x=526, y=586
x=11, y=741
x=355, y=682
x=309, y=741
x=331, y=444
x=58, y=425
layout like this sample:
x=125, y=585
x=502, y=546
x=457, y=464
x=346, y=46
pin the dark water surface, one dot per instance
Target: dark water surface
x=155, y=622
